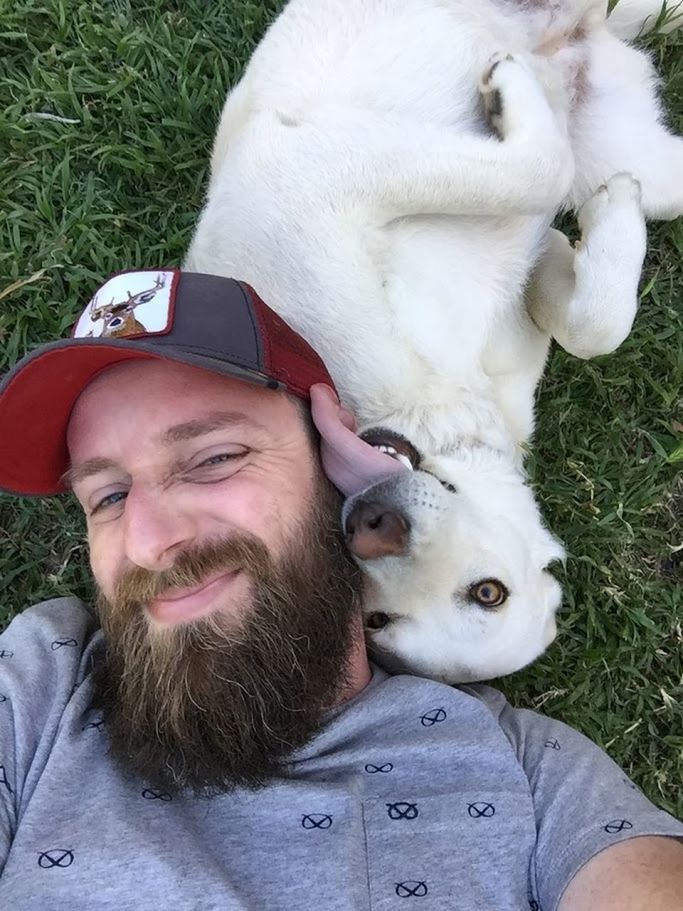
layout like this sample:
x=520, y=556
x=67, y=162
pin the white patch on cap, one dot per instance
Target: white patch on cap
x=129, y=304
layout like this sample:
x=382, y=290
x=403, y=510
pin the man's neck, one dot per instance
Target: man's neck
x=359, y=672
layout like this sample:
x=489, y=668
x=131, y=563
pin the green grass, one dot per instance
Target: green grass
x=121, y=187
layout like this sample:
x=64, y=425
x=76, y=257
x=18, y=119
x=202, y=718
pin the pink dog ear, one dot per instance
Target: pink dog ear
x=351, y=464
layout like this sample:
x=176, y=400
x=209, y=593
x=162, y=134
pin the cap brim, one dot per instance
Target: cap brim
x=39, y=393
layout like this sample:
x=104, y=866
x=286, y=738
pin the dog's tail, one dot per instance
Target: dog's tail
x=631, y=18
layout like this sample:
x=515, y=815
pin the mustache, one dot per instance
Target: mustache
x=138, y=586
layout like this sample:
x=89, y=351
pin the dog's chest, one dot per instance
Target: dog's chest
x=418, y=60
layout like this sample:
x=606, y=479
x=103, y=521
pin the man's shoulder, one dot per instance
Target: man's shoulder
x=472, y=703
x=486, y=707
x=54, y=616
x=478, y=697
x=47, y=638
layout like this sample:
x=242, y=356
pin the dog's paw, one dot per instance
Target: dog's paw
x=619, y=197
x=607, y=265
x=612, y=223
x=513, y=97
x=494, y=87
x=491, y=94
x=518, y=111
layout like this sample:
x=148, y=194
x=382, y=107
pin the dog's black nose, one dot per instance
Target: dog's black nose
x=373, y=531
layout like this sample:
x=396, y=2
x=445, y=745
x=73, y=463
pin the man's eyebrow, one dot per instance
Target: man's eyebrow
x=216, y=420
x=79, y=472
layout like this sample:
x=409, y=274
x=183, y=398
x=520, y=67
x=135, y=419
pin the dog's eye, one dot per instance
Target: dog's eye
x=489, y=593
x=378, y=620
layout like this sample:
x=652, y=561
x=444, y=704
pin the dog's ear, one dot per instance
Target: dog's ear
x=351, y=464
x=547, y=550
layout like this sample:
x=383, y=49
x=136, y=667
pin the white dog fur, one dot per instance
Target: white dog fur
x=357, y=184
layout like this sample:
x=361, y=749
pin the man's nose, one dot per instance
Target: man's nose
x=155, y=529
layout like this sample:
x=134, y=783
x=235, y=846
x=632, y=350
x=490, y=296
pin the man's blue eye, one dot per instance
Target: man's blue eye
x=110, y=500
x=218, y=459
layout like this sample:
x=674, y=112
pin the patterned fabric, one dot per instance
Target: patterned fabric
x=414, y=795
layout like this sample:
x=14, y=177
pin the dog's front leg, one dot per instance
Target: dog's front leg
x=399, y=167
x=587, y=297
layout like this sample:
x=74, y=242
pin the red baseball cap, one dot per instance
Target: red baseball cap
x=206, y=321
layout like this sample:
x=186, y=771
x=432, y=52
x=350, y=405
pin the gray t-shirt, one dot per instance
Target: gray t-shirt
x=414, y=795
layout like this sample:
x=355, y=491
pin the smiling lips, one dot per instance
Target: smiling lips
x=183, y=604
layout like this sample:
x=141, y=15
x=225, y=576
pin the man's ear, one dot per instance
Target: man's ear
x=325, y=403
x=351, y=464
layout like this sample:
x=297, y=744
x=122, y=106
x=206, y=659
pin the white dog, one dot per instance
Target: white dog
x=385, y=175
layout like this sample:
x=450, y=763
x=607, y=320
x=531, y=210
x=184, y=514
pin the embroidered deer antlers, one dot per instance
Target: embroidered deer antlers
x=118, y=316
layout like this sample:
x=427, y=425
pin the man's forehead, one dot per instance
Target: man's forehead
x=162, y=393
x=140, y=378
x=207, y=423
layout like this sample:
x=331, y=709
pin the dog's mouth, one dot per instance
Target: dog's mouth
x=398, y=447
x=394, y=445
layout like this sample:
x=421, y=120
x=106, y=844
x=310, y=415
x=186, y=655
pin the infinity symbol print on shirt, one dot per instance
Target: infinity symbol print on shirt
x=372, y=769
x=617, y=825
x=57, y=857
x=434, y=716
x=150, y=794
x=412, y=888
x=3, y=779
x=481, y=810
x=63, y=643
x=316, y=821
x=402, y=810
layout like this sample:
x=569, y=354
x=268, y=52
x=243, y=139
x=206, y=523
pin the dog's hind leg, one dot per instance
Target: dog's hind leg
x=587, y=297
x=398, y=167
x=618, y=127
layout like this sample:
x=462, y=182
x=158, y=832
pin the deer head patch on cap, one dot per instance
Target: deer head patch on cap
x=128, y=305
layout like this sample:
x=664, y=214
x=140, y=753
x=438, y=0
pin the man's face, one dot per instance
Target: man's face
x=228, y=602
x=165, y=457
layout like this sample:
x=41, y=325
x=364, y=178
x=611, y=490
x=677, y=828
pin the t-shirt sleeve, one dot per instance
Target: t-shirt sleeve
x=40, y=666
x=583, y=801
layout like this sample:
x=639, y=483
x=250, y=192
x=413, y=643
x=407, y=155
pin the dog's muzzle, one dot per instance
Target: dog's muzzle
x=383, y=519
x=374, y=528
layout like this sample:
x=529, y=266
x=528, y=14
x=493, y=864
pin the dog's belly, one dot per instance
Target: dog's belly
x=452, y=283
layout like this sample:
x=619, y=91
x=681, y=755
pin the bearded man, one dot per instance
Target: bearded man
x=213, y=734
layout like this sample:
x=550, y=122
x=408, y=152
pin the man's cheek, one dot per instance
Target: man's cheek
x=103, y=563
x=250, y=508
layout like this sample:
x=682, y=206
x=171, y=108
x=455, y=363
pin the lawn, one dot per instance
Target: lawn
x=113, y=179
